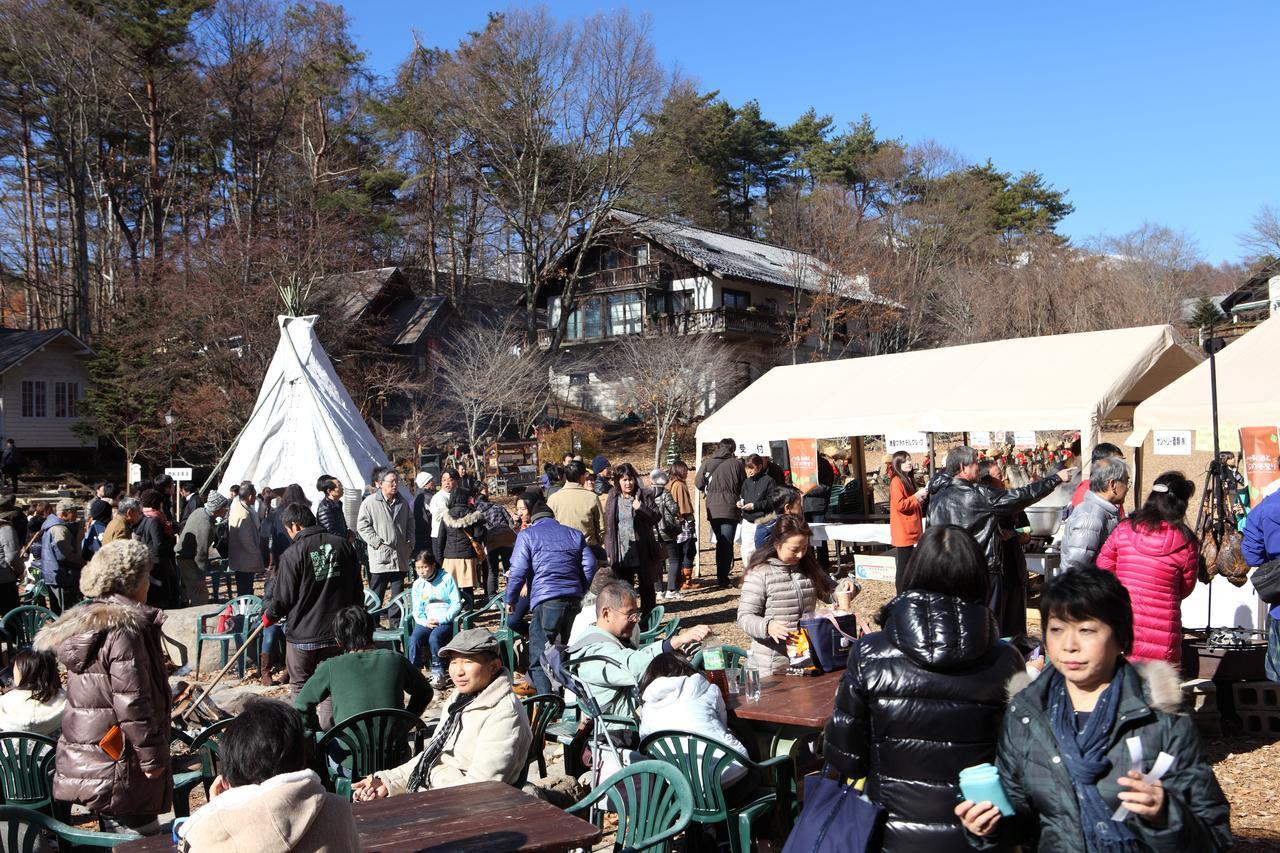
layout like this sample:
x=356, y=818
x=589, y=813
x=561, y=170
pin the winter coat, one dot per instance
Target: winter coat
x=289, y=813
x=388, y=531
x=612, y=679
x=116, y=676
x=490, y=743
x=460, y=526
x=1158, y=567
x=438, y=507
x=774, y=590
x=330, y=516
x=1086, y=529
x=422, y=521
x=116, y=529
x=197, y=539
x=755, y=491
x=20, y=712
x=906, y=515
x=244, y=539
x=499, y=526
x=690, y=704
x=60, y=560
x=1262, y=532
x=1038, y=787
x=11, y=460
x=921, y=700
x=317, y=576
x=978, y=509
x=440, y=590
x=669, y=520
x=553, y=559
x=579, y=508
x=720, y=480
x=679, y=490
x=646, y=518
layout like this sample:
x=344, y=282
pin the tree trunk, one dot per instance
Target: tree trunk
x=153, y=165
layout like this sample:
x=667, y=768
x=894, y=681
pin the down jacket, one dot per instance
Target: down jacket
x=1047, y=812
x=553, y=559
x=921, y=700
x=1158, y=567
x=774, y=590
x=330, y=516
x=720, y=480
x=459, y=526
x=1087, y=528
x=115, y=677
x=978, y=509
x=689, y=703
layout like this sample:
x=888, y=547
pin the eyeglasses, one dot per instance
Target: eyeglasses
x=632, y=615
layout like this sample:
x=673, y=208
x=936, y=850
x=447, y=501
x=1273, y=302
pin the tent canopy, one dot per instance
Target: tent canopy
x=1248, y=394
x=304, y=423
x=1053, y=382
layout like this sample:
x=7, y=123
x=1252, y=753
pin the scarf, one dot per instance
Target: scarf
x=420, y=778
x=1084, y=754
x=152, y=512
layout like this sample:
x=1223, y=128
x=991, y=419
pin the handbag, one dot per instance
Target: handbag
x=1266, y=581
x=836, y=818
x=829, y=639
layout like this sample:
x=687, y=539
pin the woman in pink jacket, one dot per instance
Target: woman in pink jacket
x=1156, y=556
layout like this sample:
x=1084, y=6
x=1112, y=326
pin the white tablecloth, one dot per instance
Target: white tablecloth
x=876, y=534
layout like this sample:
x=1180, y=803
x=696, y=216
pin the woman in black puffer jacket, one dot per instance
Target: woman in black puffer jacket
x=924, y=697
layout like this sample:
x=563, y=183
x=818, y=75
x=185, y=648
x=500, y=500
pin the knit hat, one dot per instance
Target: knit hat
x=215, y=503
x=599, y=464
x=422, y=479
x=471, y=641
x=100, y=510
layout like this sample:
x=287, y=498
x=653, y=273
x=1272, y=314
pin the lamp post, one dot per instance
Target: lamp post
x=169, y=420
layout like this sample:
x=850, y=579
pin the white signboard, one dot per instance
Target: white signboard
x=912, y=442
x=178, y=475
x=1024, y=439
x=1171, y=442
x=748, y=446
x=135, y=472
x=980, y=440
x=875, y=567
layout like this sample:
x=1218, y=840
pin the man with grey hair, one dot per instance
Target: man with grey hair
x=385, y=523
x=127, y=515
x=196, y=547
x=60, y=559
x=959, y=499
x=1092, y=521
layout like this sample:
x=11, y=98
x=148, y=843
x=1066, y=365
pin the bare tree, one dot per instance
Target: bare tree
x=672, y=378
x=1262, y=240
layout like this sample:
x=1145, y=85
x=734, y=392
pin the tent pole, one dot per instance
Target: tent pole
x=1136, y=491
x=236, y=442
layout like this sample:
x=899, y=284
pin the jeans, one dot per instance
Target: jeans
x=272, y=639
x=302, y=664
x=436, y=638
x=515, y=617
x=647, y=573
x=723, y=529
x=496, y=556
x=689, y=553
x=244, y=582
x=378, y=583
x=674, y=551
x=552, y=621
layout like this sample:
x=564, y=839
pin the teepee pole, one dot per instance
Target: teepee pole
x=236, y=443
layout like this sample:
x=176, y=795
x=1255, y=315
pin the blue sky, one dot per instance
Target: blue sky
x=1142, y=111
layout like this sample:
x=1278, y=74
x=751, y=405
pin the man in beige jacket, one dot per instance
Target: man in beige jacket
x=578, y=507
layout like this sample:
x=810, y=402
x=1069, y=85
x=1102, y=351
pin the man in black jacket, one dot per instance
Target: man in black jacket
x=957, y=498
x=317, y=576
x=329, y=511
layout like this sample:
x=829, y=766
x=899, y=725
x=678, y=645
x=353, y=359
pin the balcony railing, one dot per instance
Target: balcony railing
x=711, y=321
x=621, y=278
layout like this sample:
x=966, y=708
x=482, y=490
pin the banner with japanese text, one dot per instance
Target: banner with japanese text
x=804, y=462
x=1259, y=450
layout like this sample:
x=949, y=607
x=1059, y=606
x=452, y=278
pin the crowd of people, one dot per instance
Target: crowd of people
x=935, y=690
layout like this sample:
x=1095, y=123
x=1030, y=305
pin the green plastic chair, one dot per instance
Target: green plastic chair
x=655, y=628
x=543, y=710
x=372, y=603
x=21, y=624
x=397, y=637
x=26, y=769
x=364, y=744
x=733, y=656
x=467, y=618
x=249, y=606
x=653, y=802
x=22, y=831
x=205, y=746
x=702, y=762
x=38, y=594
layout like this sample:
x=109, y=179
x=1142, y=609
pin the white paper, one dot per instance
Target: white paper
x=912, y=442
x=1164, y=763
x=1171, y=442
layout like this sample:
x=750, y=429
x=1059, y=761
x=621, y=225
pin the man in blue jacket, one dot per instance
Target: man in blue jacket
x=1261, y=545
x=556, y=563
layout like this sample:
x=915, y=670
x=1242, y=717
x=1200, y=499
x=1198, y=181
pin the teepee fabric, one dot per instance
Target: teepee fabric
x=304, y=422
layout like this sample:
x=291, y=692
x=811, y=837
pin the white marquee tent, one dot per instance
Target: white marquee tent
x=304, y=422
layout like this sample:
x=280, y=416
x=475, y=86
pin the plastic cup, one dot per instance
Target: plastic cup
x=751, y=677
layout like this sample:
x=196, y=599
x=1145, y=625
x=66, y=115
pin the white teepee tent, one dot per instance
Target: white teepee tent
x=304, y=423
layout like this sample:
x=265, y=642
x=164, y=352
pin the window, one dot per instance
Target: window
x=66, y=399
x=681, y=301
x=625, y=314
x=33, y=405
x=579, y=380
x=611, y=259
x=585, y=321
x=642, y=253
x=735, y=298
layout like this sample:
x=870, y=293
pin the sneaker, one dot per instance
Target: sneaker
x=438, y=680
x=662, y=595
x=675, y=596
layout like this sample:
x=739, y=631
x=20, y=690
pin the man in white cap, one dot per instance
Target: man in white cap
x=422, y=510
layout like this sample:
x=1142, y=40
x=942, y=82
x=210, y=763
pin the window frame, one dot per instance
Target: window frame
x=729, y=294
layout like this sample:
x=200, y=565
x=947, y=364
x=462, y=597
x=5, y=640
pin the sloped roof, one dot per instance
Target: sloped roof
x=360, y=288
x=740, y=257
x=17, y=344
x=410, y=319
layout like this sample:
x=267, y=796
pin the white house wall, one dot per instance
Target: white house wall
x=55, y=363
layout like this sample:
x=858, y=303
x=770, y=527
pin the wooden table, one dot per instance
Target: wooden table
x=795, y=701
x=486, y=817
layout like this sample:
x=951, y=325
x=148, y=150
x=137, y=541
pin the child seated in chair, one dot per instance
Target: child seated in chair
x=37, y=700
x=434, y=603
x=265, y=798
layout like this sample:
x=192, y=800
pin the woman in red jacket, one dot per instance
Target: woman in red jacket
x=906, y=511
x=1156, y=556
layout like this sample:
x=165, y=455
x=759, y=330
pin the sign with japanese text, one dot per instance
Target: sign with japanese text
x=912, y=442
x=804, y=462
x=1228, y=438
x=1259, y=450
x=746, y=447
x=1024, y=439
x=1171, y=442
x=980, y=440
x=178, y=475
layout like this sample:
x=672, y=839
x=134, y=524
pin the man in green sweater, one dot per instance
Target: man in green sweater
x=363, y=678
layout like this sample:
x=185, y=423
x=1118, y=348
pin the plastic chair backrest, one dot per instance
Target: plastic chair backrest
x=655, y=619
x=467, y=619
x=372, y=740
x=733, y=656
x=22, y=623
x=22, y=831
x=401, y=604
x=25, y=763
x=702, y=762
x=371, y=600
x=543, y=710
x=205, y=743
x=653, y=803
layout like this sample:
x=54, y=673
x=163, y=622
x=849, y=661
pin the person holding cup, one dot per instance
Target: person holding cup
x=1065, y=757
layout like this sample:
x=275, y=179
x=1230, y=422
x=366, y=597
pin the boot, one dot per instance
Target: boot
x=686, y=578
x=264, y=670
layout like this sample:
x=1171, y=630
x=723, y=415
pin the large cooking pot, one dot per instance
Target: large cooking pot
x=1044, y=519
